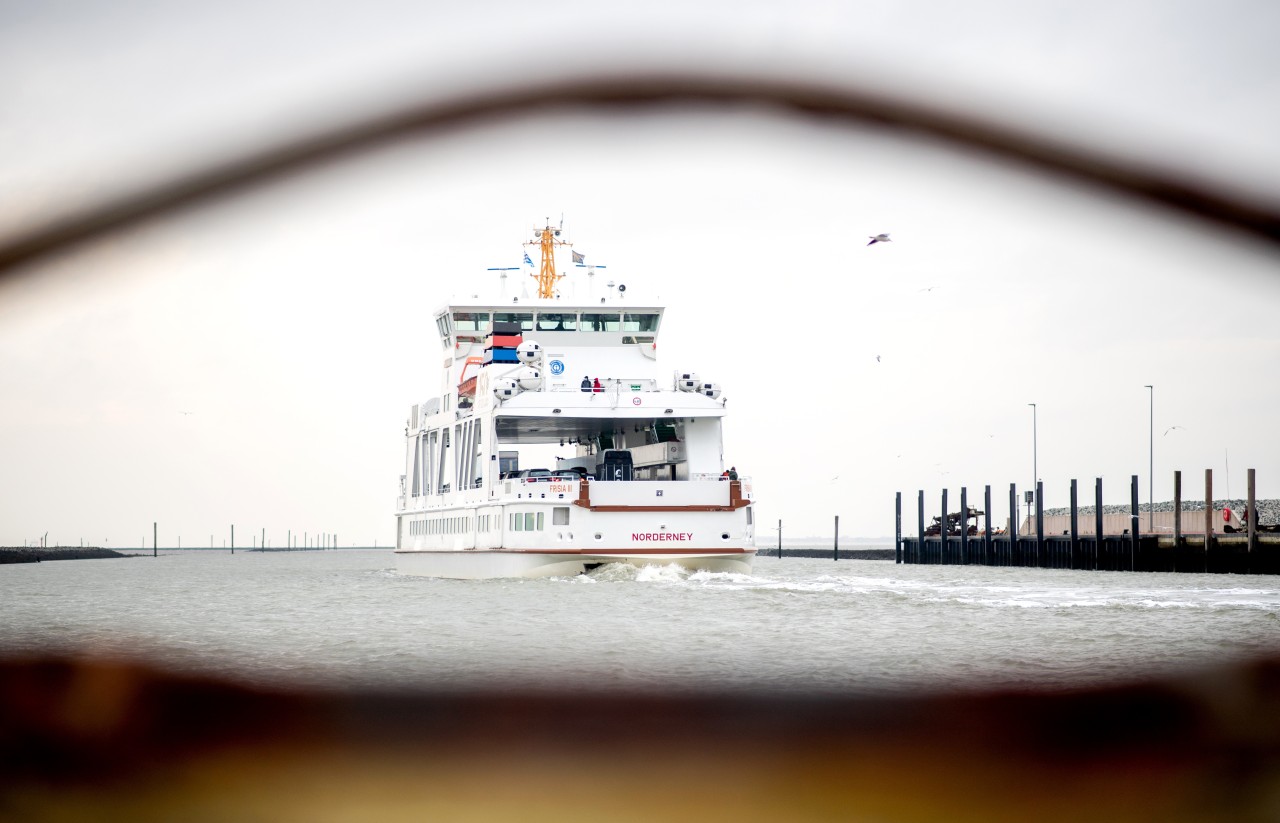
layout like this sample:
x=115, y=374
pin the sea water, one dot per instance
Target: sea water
x=348, y=619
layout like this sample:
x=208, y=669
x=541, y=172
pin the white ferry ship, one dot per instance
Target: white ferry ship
x=558, y=444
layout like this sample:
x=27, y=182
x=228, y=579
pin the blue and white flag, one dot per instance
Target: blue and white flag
x=527, y=261
x=578, y=258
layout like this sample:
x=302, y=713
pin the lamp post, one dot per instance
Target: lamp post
x=1035, y=468
x=1151, y=458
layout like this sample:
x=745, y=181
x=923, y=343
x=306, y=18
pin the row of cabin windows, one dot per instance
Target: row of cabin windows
x=452, y=525
x=465, y=321
x=439, y=525
x=519, y=521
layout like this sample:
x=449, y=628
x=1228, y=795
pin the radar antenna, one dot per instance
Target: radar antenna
x=547, y=238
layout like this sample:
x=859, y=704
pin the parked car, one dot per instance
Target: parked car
x=531, y=475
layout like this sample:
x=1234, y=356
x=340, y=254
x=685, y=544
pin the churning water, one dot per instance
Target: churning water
x=348, y=619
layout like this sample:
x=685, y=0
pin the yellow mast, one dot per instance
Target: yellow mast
x=547, y=276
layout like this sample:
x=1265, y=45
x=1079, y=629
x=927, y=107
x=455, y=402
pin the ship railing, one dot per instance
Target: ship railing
x=664, y=495
x=615, y=384
x=708, y=492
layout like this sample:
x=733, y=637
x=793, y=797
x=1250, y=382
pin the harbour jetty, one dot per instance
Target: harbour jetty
x=35, y=554
x=1210, y=536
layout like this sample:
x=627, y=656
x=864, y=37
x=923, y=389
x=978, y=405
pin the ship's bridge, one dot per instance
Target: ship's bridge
x=564, y=325
x=605, y=341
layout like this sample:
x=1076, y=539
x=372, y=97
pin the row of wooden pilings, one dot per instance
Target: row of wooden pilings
x=1132, y=551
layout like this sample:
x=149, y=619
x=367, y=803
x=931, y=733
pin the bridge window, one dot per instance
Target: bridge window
x=557, y=321
x=470, y=321
x=640, y=322
x=601, y=322
x=525, y=319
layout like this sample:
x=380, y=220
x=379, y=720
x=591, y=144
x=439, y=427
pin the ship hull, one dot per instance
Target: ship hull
x=488, y=564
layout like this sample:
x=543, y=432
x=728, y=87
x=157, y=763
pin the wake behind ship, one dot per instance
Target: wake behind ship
x=557, y=443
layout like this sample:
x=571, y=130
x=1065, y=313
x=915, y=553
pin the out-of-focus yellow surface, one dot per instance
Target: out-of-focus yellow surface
x=101, y=741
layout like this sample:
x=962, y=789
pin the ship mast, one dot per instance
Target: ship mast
x=547, y=276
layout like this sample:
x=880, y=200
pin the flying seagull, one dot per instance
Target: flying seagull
x=879, y=238
x=1171, y=428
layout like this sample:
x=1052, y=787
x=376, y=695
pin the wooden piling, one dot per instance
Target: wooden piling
x=1075, y=529
x=155, y=552
x=1253, y=517
x=233, y=538
x=919, y=550
x=942, y=531
x=1133, y=521
x=1013, y=524
x=1177, y=510
x=964, y=524
x=835, y=547
x=1208, y=513
x=1040, y=523
x=986, y=538
x=897, y=528
x=1097, y=524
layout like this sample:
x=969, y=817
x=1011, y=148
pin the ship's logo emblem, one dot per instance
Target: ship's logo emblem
x=557, y=367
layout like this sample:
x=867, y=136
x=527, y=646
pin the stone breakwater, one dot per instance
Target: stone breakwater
x=1268, y=510
x=25, y=554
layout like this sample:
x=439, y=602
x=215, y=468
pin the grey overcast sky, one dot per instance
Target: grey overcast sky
x=252, y=361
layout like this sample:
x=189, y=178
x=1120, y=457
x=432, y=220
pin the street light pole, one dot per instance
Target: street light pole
x=1151, y=459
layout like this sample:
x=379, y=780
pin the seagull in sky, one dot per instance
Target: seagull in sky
x=1171, y=428
x=877, y=358
x=879, y=238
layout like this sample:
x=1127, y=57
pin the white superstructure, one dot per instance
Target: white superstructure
x=516, y=470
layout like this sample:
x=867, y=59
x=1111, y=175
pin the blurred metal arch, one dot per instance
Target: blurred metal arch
x=845, y=104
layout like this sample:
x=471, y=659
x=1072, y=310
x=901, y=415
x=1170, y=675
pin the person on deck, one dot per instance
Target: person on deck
x=733, y=472
x=586, y=384
x=595, y=386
